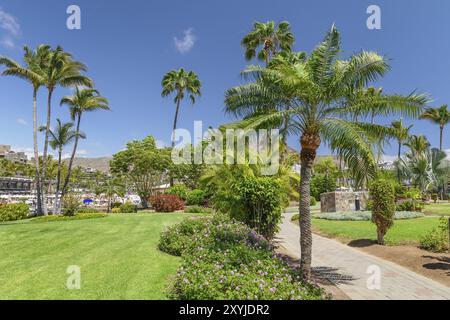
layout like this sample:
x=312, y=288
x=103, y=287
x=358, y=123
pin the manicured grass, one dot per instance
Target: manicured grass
x=442, y=209
x=403, y=231
x=118, y=257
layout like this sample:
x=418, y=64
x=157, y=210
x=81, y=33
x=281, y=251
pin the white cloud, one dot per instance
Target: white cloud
x=11, y=28
x=82, y=152
x=21, y=121
x=187, y=43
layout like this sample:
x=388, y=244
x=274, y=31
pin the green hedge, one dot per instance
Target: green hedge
x=13, y=212
x=78, y=216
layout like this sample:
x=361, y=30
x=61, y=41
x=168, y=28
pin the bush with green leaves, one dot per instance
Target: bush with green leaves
x=128, y=207
x=179, y=190
x=88, y=210
x=198, y=209
x=13, y=212
x=196, y=198
x=258, y=203
x=437, y=240
x=382, y=193
x=321, y=183
x=70, y=204
x=410, y=206
x=226, y=260
x=312, y=202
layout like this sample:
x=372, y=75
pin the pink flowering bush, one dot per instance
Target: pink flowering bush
x=226, y=260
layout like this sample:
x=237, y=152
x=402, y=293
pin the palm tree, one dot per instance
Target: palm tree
x=418, y=145
x=440, y=116
x=401, y=134
x=84, y=100
x=271, y=37
x=34, y=60
x=324, y=92
x=62, y=136
x=111, y=187
x=60, y=70
x=180, y=82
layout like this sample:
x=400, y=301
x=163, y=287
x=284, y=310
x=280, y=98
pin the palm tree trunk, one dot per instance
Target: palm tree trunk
x=44, y=157
x=441, y=133
x=58, y=181
x=36, y=156
x=175, y=121
x=74, y=151
x=307, y=160
x=399, y=157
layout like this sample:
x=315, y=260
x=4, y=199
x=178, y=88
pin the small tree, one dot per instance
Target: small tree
x=383, y=196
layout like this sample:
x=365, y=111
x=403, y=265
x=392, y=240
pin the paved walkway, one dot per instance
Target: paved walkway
x=351, y=270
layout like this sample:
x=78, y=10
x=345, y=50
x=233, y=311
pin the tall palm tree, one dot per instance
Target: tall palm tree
x=440, y=116
x=325, y=91
x=270, y=37
x=84, y=100
x=179, y=82
x=401, y=134
x=34, y=61
x=60, y=137
x=60, y=70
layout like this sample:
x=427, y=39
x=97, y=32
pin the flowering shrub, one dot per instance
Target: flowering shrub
x=167, y=203
x=178, y=237
x=226, y=260
x=364, y=216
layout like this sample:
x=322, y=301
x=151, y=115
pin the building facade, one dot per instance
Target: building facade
x=8, y=154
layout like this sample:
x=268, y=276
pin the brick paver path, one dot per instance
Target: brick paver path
x=348, y=269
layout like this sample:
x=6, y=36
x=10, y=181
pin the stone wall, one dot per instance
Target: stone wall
x=342, y=201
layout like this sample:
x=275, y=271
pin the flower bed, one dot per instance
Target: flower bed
x=361, y=216
x=226, y=260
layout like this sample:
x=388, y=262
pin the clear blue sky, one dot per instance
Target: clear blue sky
x=129, y=45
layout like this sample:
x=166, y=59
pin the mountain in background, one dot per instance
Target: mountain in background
x=100, y=164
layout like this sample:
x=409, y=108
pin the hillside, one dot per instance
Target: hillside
x=100, y=164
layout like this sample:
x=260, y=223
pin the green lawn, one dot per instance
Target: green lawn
x=403, y=232
x=442, y=209
x=118, y=257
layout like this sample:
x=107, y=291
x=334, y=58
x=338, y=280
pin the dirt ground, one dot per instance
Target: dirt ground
x=435, y=266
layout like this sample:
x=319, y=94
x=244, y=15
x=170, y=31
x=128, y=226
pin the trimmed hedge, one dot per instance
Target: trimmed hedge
x=78, y=216
x=13, y=212
x=128, y=208
x=360, y=216
x=198, y=209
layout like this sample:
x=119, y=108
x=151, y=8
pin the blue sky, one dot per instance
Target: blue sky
x=129, y=45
